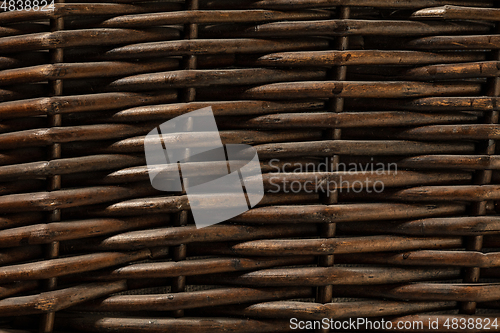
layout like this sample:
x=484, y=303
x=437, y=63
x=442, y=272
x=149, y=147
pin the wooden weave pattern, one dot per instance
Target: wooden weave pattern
x=88, y=245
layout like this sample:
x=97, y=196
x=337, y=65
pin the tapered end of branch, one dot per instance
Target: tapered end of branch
x=430, y=13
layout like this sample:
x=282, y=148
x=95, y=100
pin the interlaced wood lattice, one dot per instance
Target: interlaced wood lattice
x=347, y=88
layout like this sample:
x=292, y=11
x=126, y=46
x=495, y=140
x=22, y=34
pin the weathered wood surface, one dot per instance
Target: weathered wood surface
x=336, y=96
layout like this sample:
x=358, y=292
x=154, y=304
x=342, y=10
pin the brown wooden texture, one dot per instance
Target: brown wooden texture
x=340, y=99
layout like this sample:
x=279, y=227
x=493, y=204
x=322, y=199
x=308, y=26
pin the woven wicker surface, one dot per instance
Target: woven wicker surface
x=87, y=244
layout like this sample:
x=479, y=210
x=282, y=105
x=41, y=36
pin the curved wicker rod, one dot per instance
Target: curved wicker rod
x=435, y=104
x=57, y=300
x=172, y=236
x=347, y=119
x=478, y=42
x=20, y=254
x=174, y=204
x=209, y=77
x=76, y=38
x=318, y=311
x=47, y=201
x=21, y=124
x=271, y=199
x=471, y=162
x=454, y=71
x=190, y=300
x=176, y=79
x=348, y=179
x=93, y=323
x=358, y=89
x=82, y=103
x=19, y=92
x=345, y=245
x=211, y=46
x=140, y=111
x=443, y=132
x=20, y=219
x=161, y=80
x=208, y=17
x=365, y=245
x=17, y=288
x=68, y=166
x=196, y=267
x=281, y=214
x=395, y=73
x=23, y=155
x=23, y=59
x=163, y=205
x=368, y=148
x=297, y=4
x=441, y=226
x=219, y=108
x=428, y=258
x=59, y=231
x=83, y=70
x=141, y=173
x=360, y=57
x=321, y=276
x=88, y=164
x=26, y=59
x=22, y=29
x=294, y=149
x=449, y=12
x=47, y=136
x=283, y=183
x=345, y=213
x=470, y=193
x=475, y=71
x=268, y=214
x=70, y=265
x=135, y=145
x=200, y=139
x=346, y=27
x=421, y=291
x=21, y=186
x=86, y=9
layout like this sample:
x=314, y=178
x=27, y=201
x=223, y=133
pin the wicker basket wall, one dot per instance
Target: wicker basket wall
x=87, y=244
